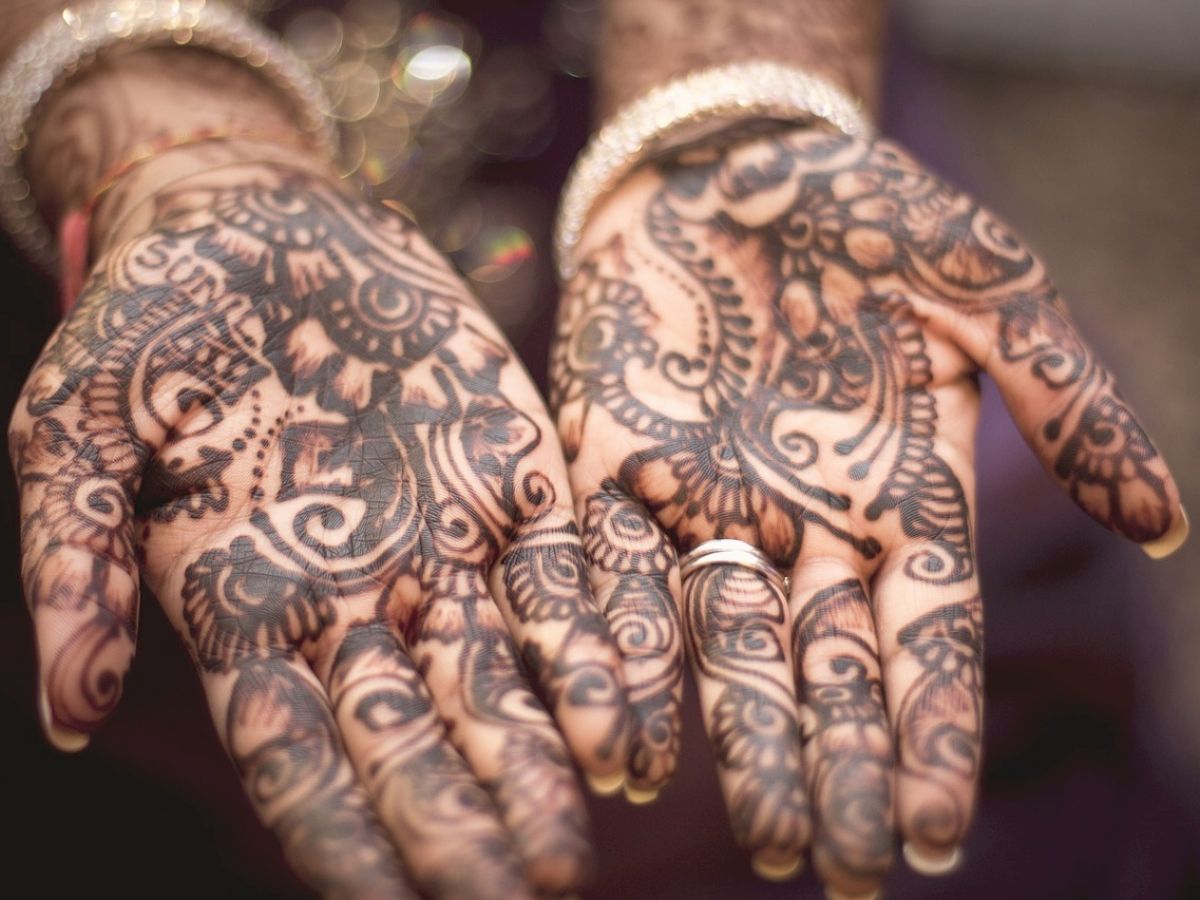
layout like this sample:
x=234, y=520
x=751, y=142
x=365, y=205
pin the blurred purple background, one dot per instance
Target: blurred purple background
x=1080, y=123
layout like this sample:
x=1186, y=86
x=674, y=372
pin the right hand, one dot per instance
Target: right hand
x=283, y=412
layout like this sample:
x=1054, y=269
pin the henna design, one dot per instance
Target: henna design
x=549, y=786
x=286, y=748
x=286, y=403
x=939, y=721
x=429, y=796
x=784, y=368
x=844, y=728
x=762, y=335
x=1107, y=464
x=734, y=619
x=544, y=583
x=621, y=541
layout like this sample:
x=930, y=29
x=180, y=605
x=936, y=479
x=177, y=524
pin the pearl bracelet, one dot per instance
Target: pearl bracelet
x=69, y=41
x=758, y=89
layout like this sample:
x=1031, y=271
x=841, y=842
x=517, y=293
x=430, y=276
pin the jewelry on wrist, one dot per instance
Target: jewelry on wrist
x=150, y=150
x=74, y=231
x=69, y=41
x=759, y=89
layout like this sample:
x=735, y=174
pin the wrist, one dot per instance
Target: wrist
x=120, y=105
x=644, y=45
x=167, y=184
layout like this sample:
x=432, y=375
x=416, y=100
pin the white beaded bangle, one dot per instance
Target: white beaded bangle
x=69, y=41
x=743, y=90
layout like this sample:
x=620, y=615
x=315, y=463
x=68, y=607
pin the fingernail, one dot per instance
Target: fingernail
x=68, y=740
x=605, y=785
x=774, y=870
x=640, y=796
x=835, y=894
x=1164, y=546
x=931, y=865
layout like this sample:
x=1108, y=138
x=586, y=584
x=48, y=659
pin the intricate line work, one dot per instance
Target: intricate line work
x=763, y=332
x=734, y=623
x=939, y=722
x=622, y=541
x=428, y=795
x=286, y=748
x=844, y=729
x=296, y=407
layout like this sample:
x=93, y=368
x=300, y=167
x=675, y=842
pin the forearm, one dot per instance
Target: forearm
x=644, y=44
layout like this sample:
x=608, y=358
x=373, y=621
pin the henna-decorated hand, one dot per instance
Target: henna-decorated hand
x=776, y=338
x=284, y=411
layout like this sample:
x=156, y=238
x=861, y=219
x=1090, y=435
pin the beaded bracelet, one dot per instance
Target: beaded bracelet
x=755, y=89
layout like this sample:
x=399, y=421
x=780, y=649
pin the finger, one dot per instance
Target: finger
x=737, y=634
x=540, y=583
x=1061, y=396
x=848, y=762
x=77, y=469
x=931, y=641
x=278, y=730
x=636, y=583
x=461, y=645
x=421, y=788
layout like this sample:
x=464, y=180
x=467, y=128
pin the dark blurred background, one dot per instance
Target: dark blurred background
x=1079, y=120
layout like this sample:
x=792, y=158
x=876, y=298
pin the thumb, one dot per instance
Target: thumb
x=1062, y=398
x=77, y=470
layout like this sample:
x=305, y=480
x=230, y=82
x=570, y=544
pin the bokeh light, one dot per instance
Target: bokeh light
x=421, y=104
x=432, y=75
x=316, y=37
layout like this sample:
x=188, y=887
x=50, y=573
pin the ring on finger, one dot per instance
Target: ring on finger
x=732, y=552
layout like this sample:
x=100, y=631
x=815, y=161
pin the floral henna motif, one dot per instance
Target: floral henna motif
x=1106, y=462
x=939, y=720
x=283, y=407
x=622, y=543
x=844, y=729
x=774, y=335
x=800, y=375
x=734, y=623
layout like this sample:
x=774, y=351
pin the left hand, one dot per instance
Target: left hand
x=776, y=338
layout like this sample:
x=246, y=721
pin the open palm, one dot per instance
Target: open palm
x=775, y=337
x=282, y=411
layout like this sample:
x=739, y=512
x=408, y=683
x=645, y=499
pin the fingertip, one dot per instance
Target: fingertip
x=605, y=785
x=588, y=700
x=1174, y=538
x=61, y=737
x=931, y=862
x=835, y=894
x=562, y=873
x=640, y=796
x=771, y=867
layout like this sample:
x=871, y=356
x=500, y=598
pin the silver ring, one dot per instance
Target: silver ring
x=732, y=552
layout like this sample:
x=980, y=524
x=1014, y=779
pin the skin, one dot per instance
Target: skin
x=382, y=659
x=282, y=410
x=276, y=410
x=775, y=335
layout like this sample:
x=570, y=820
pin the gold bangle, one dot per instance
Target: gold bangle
x=758, y=89
x=69, y=41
